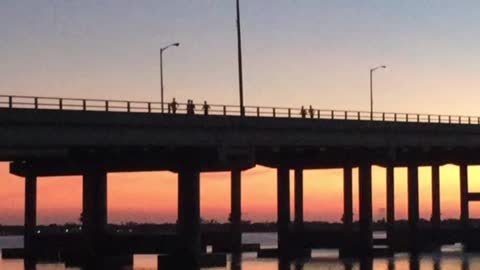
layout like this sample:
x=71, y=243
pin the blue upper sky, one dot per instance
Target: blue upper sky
x=296, y=52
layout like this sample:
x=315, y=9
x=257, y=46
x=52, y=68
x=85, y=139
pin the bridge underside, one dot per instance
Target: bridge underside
x=213, y=160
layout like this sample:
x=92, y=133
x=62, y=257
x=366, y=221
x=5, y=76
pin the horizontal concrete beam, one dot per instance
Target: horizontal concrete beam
x=473, y=196
x=205, y=161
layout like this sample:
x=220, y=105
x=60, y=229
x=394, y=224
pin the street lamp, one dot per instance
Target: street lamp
x=240, y=68
x=371, y=88
x=161, y=67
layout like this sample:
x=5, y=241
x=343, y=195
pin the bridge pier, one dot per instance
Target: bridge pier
x=30, y=216
x=464, y=206
x=413, y=207
x=189, y=220
x=347, y=249
x=390, y=204
x=299, y=226
x=365, y=222
x=94, y=216
x=188, y=252
x=464, y=211
x=236, y=211
x=435, y=201
x=283, y=211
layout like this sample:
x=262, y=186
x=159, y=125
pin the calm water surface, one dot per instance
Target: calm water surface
x=451, y=258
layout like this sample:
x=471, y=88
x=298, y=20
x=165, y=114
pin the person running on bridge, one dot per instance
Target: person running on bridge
x=205, y=107
x=173, y=106
x=303, y=112
x=311, y=111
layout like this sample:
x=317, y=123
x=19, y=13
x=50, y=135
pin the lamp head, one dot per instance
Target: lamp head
x=176, y=44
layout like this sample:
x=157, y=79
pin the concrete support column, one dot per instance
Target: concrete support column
x=283, y=211
x=464, y=213
x=347, y=198
x=30, y=214
x=188, y=227
x=413, y=205
x=365, y=197
x=435, y=197
x=94, y=216
x=236, y=211
x=348, y=248
x=390, y=202
x=298, y=220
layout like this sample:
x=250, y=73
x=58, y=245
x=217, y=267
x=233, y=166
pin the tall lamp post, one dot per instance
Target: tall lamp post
x=371, y=88
x=240, y=68
x=161, y=68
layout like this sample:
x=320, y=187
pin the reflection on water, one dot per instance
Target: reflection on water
x=322, y=260
x=248, y=261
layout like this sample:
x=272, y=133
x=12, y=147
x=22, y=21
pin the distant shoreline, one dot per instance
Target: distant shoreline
x=209, y=226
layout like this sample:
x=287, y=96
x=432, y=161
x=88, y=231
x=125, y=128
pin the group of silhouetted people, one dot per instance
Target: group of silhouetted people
x=190, y=107
x=173, y=106
x=311, y=112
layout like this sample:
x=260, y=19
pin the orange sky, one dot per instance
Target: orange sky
x=151, y=197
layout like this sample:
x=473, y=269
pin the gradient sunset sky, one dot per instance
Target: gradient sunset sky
x=296, y=52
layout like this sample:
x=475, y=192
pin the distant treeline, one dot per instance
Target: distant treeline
x=210, y=226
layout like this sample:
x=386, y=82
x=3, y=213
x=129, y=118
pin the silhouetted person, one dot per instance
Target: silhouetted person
x=190, y=107
x=174, y=106
x=205, y=107
x=311, y=111
x=303, y=112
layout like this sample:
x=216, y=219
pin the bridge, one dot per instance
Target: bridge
x=59, y=136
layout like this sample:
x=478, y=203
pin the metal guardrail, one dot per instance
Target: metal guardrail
x=75, y=104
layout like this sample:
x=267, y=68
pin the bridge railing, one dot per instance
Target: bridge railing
x=75, y=104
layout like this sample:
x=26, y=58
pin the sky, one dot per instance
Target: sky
x=296, y=52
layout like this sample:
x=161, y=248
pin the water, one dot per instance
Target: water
x=450, y=258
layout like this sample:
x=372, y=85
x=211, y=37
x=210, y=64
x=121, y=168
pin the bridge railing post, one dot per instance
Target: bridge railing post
x=60, y=104
x=225, y=110
x=274, y=114
x=418, y=118
x=106, y=106
x=318, y=114
x=333, y=114
x=383, y=117
x=289, y=113
x=10, y=102
x=149, y=107
x=128, y=106
x=36, y=102
x=346, y=115
x=258, y=111
x=84, y=104
x=469, y=120
x=459, y=119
